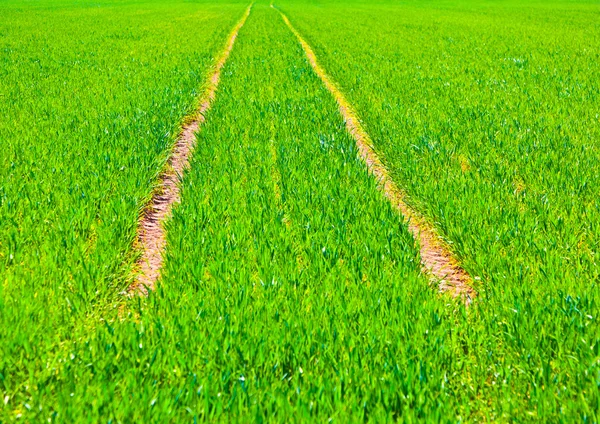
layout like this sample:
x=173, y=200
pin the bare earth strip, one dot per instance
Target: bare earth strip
x=436, y=258
x=151, y=232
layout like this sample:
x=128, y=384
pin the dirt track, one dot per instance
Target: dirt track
x=151, y=233
x=437, y=260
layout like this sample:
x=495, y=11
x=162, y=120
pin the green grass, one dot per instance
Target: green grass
x=294, y=277
x=292, y=291
x=487, y=115
x=91, y=97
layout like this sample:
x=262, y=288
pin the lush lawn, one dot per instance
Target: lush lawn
x=91, y=97
x=291, y=289
x=488, y=115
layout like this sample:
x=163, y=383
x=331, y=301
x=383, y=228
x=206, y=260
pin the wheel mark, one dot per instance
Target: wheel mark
x=436, y=258
x=151, y=235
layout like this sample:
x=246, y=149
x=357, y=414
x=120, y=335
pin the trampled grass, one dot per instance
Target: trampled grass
x=292, y=291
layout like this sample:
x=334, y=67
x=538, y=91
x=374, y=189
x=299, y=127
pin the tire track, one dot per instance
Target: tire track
x=436, y=258
x=281, y=204
x=151, y=235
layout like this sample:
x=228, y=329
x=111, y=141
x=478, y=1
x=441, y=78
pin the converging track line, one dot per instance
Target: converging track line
x=151, y=234
x=436, y=259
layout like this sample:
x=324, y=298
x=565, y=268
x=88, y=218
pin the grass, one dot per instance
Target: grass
x=92, y=95
x=291, y=290
x=487, y=115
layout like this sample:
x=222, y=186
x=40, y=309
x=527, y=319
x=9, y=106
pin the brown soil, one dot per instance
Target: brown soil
x=436, y=259
x=151, y=232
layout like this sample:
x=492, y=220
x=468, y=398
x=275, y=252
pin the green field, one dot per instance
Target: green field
x=292, y=290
